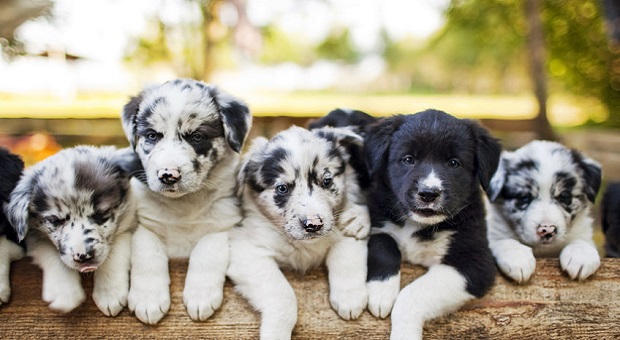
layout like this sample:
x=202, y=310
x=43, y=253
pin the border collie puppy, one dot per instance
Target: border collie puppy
x=610, y=219
x=188, y=135
x=11, y=167
x=76, y=211
x=541, y=197
x=426, y=204
x=300, y=198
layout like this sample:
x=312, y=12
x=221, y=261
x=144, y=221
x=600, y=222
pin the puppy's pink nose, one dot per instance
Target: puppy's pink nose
x=169, y=176
x=312, y=223
x=546, y=231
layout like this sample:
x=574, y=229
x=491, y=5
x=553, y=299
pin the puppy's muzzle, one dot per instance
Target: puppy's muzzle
x=83, y=257
x=312, y=224
x=546, y=232
x=429, y=194
x=169, y=176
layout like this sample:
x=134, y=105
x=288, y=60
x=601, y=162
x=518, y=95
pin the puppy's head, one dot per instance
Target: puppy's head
x=542, y=188
x=11, y=167
x=298, y=180
x=181, y=130
x=433, y=162
x=75, y=198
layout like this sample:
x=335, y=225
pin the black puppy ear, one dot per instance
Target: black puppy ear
x=592, y=174
x=16, y=210
x=128, y=161
x=488, y=151
x=236, y=118
x=377, y=142
x=128, y=117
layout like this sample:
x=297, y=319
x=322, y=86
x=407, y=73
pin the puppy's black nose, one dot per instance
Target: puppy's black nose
x=312, y=224
x=429, y=195
x=169, y=176
x=82, y=257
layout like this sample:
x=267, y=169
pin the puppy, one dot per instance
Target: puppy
x=300, y=210
x=610, y=219
x=426, y=205
x=187, y=135
x=541, y=197
x=75, y=210
x=11, y=167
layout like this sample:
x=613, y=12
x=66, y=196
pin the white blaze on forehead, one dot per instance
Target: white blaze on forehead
x=432, y=181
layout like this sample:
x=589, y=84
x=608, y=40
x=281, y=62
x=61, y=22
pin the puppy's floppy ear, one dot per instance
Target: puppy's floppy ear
x=488, y=151
x=498, y=180
x=592, y=174
x=128, y=161
x=377, y=142
x=258, y=144
x=17, y=209
x=343, y=137
x=236, y=118
x=129, y=116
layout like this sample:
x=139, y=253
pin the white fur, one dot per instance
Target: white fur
x=9, y=252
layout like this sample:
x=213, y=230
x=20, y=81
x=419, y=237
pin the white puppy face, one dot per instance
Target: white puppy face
x=75, y=198
x=298, y=179
x=181, y=129
x=541, y=188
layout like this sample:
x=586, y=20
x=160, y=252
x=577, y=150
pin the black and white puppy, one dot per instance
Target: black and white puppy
x=76, y=212
x=300, y=201
x=610, y=219
x=428, y=172
x=188, y=135
x=11, y=167
x=541, y=198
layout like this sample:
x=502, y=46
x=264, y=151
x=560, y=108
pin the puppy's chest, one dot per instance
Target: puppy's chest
x=425, y=251
x=308, y=255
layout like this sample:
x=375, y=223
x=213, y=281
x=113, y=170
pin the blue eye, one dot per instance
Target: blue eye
x=152, y=136
x=523, y=201
x=282, y=189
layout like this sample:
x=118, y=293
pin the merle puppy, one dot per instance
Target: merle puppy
x=426, y=204
x=76, y=211
x=610, y=219
x=11, y=167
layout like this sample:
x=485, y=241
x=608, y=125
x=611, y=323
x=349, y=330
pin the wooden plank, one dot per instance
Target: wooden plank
x=551, y=306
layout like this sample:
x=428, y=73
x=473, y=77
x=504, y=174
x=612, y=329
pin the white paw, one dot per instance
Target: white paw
x=202, y=302
x=349, y=302
x=382, y=295
x=111, y=297
x=355, y=221
x=579, y=260
x=517, y=262
x=5, y=293
x=63, y=297
x=149, y=302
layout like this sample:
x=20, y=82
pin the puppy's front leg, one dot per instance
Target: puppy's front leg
x=514, y=259
x=204, y=284
x=62, y=287
x=346, y=264
x=259, y=279
x=580, y=259
x=9, y=252
x=112, y=277
x=383, y=284
x=149, y=292
x=355, y=221
x=440, y=291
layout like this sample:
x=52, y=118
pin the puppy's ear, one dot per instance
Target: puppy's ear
x=129, y=116
x=236, y=119
x=17, y=208
x=258, y=144
x=488, y=151
x=377, y=142
x=592, y=174
x=498, y=180
x=128, y=161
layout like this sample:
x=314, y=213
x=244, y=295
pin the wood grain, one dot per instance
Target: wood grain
x=551, y=306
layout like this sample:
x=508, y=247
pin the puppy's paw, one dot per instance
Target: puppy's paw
x=579, y=260
x=63, y=297
x=349, y=302
x=355, y=221
x=148, y=303
x=5, y=293
x=111, y=298
x=202, y=302
x=382, y=295
x=517, y=262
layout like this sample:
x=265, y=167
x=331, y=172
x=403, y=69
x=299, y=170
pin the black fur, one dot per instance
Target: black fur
x=465, y=156
x=610, y=219
x=11, y=168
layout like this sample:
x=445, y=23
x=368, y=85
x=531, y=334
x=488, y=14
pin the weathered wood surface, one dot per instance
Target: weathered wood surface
x=551, y=306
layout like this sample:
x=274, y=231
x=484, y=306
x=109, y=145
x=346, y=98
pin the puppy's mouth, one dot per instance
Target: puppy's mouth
x=87, y=267
x=426, y=212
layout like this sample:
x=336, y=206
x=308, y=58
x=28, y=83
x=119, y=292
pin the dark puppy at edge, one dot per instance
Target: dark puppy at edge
x=610, y=219
x=426, y=205
x=11, y=167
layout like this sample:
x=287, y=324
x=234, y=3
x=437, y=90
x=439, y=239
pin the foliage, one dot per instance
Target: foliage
x=280, y=47
x=338, y=46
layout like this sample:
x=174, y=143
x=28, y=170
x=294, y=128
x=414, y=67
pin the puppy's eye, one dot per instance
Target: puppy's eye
x=408, y=160
x=565, y=198
x=196, y=137
x=152, y=136
x=523, y=201
x=100, y=217
x=282, y=189
x=55, y=221
x=454, y=163
x=327, y=182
